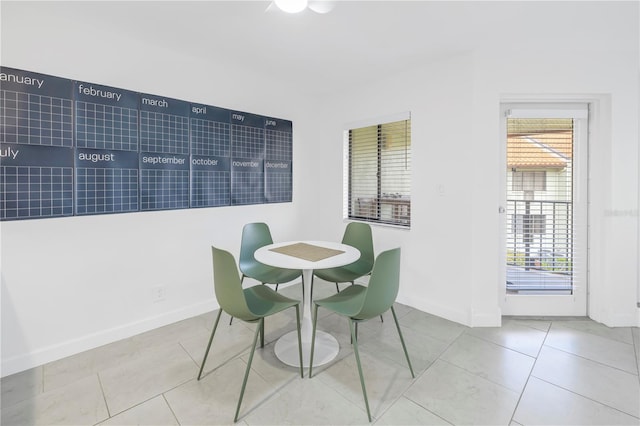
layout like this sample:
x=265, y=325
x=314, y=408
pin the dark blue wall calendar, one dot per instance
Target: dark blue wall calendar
x=210, y=156
x=278, y=160
x=36, y=145
x=247, y=155
x=107, y=145
x=164, y=142
x=77, y=148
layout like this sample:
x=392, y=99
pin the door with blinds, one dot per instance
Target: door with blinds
x=544, y=209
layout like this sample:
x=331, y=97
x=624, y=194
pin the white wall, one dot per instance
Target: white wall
x=607, y=78
x=439, y=97
x=73, y=283
x=451, y=255
x=69, y=284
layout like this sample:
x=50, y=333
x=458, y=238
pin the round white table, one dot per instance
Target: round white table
x=326, y=346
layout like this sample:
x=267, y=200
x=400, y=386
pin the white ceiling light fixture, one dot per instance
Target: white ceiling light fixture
x=321, y=6
x=296, y=6
x=291, y=6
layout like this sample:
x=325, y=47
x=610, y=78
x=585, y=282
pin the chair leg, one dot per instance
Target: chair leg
x=262, y=333
x=241, y=279
x=355, y=350
x=206, y=353
x=356, y=333
x=406, y=354
x=277, y=286
x=299, y=339
x=313, y=339
x=337, y=288
x=246, y=373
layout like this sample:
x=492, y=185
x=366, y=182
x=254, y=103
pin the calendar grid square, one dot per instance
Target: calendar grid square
x=164, y=189
x=247, y=142
x=106, y=190
x=33, y=191
x=210, y=138
x=279, y=145
x=164, y=133
x=210, y=188
x=106, y=127
x=247, y=188
x=36, y=120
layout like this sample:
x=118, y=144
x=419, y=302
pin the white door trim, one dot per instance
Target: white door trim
x=556, y=305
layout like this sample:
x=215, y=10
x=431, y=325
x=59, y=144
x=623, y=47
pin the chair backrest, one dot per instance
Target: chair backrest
x=358, y=235
x=383, y=285
x=227, y=286
x=254, y=236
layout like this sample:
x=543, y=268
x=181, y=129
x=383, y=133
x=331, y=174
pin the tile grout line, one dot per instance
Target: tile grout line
x=569, y=390
x=147, y=399
x=592, y=360
x=166, y=401
x=484, y=339
x=632, y=344
x=524, y=388
x=104, y=397
x=587, y=397
x=438, y=358
x=635, y=337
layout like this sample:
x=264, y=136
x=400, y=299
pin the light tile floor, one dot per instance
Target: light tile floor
x=552, y=371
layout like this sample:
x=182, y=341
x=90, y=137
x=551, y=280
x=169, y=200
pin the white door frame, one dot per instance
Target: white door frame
x=551, y=305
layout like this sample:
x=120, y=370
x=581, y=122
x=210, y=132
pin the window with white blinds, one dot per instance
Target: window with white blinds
x=379, y=172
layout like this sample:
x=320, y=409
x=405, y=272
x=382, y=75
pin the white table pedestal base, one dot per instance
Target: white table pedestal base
x=326, y=349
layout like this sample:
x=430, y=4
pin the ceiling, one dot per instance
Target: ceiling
x=358, y=41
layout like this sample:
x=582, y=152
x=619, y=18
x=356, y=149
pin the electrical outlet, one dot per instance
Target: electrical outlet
x=158, y=293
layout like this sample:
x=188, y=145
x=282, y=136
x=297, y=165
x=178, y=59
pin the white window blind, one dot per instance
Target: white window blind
x=379, y=172
x=541, y=222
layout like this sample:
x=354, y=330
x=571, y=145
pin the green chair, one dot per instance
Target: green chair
x=252, y=305
x=358, y=235
x=359, y=303
x=254, y=236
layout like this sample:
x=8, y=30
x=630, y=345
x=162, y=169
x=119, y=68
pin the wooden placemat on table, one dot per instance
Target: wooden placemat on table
x=307, y=251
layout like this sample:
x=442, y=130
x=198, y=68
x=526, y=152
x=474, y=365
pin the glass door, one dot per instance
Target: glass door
x=544, y=209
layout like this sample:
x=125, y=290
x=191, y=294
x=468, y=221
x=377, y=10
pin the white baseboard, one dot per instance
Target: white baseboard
x=459, y=316
x=486, y=318
x=471, y=319
x=71, y=347
x=623, y=319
